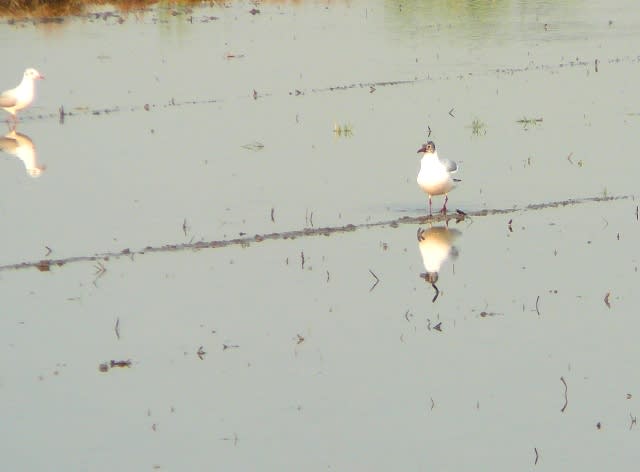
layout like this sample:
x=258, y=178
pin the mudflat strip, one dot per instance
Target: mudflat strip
x=45, y=265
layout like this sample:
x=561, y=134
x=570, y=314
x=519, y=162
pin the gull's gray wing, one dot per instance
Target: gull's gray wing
x=451, y=166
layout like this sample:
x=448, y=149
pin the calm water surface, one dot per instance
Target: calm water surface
x=211, y=123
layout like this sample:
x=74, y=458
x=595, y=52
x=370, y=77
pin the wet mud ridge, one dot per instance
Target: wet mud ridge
x=46, y=265
x=65, y=113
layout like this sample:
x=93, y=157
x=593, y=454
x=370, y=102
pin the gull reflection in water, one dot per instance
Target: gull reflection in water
x=436, y=246
x=21, y=146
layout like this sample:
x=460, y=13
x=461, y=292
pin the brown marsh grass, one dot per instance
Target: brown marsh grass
x=20, y=9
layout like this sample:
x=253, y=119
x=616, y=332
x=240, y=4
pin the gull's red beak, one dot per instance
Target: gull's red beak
x=422, y=149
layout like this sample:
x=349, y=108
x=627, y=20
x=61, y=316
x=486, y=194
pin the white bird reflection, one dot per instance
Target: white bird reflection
x=21, y=146
x=436, y=247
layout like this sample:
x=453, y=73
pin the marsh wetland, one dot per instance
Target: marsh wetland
x=215, y=255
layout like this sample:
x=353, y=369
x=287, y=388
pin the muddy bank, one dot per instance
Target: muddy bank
x=44, y=265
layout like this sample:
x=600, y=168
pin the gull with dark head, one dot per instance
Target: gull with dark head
x=434, y=177
x=22, y=96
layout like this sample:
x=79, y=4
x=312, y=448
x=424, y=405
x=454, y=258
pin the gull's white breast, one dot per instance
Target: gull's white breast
x=434, y=178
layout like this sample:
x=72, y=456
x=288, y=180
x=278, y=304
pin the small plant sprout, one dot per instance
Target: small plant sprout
x=345, y=129
x=529, y=122
x=478, y=127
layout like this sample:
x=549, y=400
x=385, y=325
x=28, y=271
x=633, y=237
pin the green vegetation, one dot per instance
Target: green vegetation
x=526, y=122
x=478, y=128
x=345, y=130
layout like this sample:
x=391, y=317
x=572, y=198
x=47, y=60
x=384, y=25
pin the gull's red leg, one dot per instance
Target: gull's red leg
x=444, y=207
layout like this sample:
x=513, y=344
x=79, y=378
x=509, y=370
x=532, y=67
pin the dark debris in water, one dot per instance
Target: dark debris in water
x=105, y=366
x=201, y=353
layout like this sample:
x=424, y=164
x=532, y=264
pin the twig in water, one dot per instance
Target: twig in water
x=201, y=352
x=451, y=112
x=48, y=250
x=272, y=218
x=634, y=421
x=435, y=297
x=185, y=227
x=536, y=451
x=606, y=299
x=302, y=259
x=254, y=146
x=117, y=328
x=234, y=439
x=433, y=404
x=376, y=282
x=569, y=157
x=537, y=300
x=306, y=217
x=428, y=131
x=566, y=400
x=100, y=271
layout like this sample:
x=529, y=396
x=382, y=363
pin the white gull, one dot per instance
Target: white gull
x=434, y=177
x=22, y=96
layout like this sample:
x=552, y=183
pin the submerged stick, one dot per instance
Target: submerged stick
x=376, y=282
x=435, y=297
x=566, y=400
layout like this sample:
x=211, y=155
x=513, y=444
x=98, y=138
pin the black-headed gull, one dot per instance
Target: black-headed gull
x=434, y=177
x=22, y=96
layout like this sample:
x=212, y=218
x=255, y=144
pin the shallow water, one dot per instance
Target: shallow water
x=304, y=359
